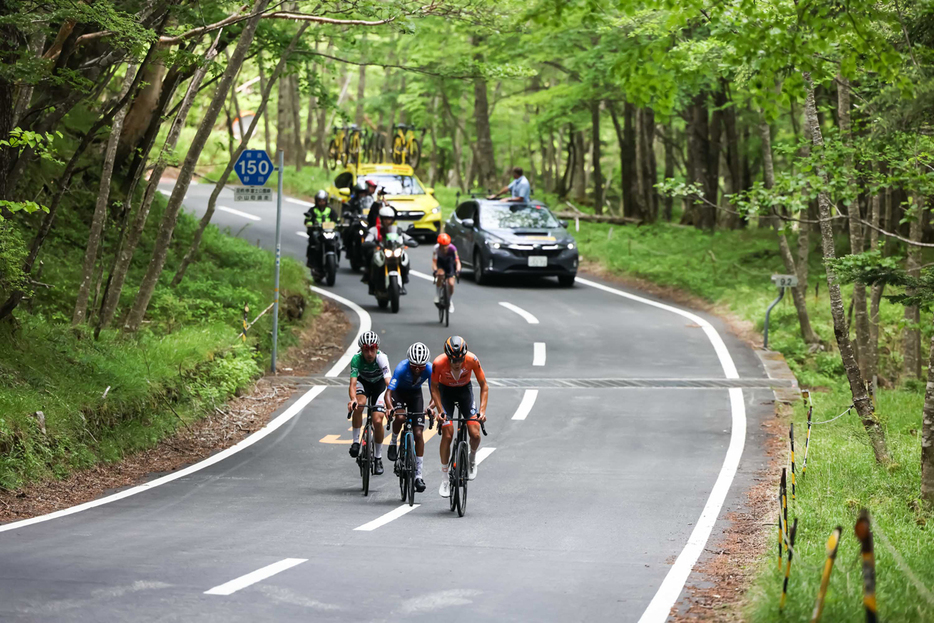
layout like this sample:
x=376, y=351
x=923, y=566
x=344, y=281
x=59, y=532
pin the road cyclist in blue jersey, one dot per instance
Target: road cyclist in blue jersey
x=369, y=377
x=405, y=389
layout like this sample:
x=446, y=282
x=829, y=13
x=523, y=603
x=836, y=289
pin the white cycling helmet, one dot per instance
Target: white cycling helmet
x=387, y=212
x=418, y=354
x=369, y=338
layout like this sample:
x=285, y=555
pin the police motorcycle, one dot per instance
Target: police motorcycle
x=354, y=230
x=389, y=259
x=324, y=258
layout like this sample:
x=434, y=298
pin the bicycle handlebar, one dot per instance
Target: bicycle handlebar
x=467, y=419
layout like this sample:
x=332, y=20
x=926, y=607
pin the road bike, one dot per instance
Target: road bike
x=444, y=298
x=366, y=459
x=354, y=140
x=459, y=464
x=336, y=148
x=406, y=149
x=405, y=465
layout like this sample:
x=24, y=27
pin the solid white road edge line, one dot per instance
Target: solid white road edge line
x=307, y=204
x=287, y=415
x=303, y=234
x=252, y=217
x=415, y=273
x=538, y=355
x=529, y=318
x=666, y=596
x=365, y=324
x=243, y=581
x=385, y=519
x=528, y=400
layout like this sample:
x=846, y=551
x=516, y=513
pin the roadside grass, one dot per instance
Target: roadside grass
x=186, y=360
x=731, y=270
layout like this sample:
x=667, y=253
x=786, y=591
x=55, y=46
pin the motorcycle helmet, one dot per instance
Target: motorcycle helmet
x=321, y=198
x=360, y=186
x=387, y=212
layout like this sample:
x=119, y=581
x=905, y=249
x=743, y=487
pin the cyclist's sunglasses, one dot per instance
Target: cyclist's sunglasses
x=457, y=360
x=369, y=347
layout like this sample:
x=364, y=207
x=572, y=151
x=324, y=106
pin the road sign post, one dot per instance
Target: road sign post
x=783, y=282
x=275, y=311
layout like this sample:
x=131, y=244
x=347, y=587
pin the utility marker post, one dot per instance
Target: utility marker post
x=782, y=281
x=275, y=309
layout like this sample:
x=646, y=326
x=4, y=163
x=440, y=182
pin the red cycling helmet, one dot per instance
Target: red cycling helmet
x=444, y=240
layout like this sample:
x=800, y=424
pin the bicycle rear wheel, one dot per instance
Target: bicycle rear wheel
x=415, y=153
x=367, y=452
x=333, y=154
x=398, y=150
x=410, y=468
x=463, y=468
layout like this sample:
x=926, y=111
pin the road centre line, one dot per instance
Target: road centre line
x=296, y=408
x=167, y=193
x=528, y=401
x=385, y=519
x=529, y=318
x=365, y=324
x=538, y=354
x=659, y=608
x=483, y=453
x=252, y=217
x=243, y=581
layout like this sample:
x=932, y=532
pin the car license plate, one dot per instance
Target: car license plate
x=538, y=261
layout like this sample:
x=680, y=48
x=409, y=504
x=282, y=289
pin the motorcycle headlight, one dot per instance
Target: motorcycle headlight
x=397, y=252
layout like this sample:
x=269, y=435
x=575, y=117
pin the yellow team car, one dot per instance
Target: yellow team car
x=414, y=203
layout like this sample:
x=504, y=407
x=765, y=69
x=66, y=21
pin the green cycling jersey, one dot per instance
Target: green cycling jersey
x=370, y=372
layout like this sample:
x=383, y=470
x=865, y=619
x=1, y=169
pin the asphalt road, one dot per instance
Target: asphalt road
x=594, y=507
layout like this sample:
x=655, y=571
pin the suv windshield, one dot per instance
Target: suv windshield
x=396, y=184
x=506, y=216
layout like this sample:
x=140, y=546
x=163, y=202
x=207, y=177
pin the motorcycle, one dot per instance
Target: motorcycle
x=355, y=228
x=324, y=268
x=388, y=261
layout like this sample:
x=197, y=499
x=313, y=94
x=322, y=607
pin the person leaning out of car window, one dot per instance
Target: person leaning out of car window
x=519, y=188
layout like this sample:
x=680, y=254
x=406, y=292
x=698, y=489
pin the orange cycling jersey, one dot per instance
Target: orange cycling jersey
x=441, y=371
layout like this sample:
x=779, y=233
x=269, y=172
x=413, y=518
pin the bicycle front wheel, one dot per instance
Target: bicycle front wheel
x=463, y=469
x=410, y=469
x=334, y=153
x=415, y=153
x=398, y=150
x=367, y=451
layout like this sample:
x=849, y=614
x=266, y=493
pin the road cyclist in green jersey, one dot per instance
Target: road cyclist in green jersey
x=369, y=377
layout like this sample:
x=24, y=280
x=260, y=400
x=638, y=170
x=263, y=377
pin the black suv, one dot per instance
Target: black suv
x=506, y=237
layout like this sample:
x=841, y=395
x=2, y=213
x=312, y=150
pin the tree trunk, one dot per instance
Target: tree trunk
x=100, y=208
x=487, y=157
x=927, y=435
x=713, y=163
x=361, y=95
x=875, y=297
x=160, y=251
x=262, y=86
x=860, y=316
x=296, y=101
x=669, y=168
x=310, y=122
x=434, y=161
x=127, y=246
x=244, y=142
x=732, y=154
x=649, y=169
x=799, y=294
x=864, y=406
x=699, y=145
x=912, y=314
x=597, y=171
x=24, y=96
x=579, y=180
x=141, y=112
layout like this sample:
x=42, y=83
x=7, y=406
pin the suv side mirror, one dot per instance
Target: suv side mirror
x=468, y=223
x=563, y=223
x=430, y=191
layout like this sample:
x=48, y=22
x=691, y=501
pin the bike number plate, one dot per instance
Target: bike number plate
x=538, y=261
x=327, y=226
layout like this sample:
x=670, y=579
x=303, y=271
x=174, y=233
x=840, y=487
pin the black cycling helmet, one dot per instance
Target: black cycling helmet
x=321, y=198
x=455, y=347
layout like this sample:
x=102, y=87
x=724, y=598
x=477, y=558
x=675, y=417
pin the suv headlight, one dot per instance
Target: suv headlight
x=570, y=245
x=435, y=209
x=494, y=245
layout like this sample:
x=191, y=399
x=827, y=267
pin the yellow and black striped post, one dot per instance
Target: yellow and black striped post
x=785, y=502
x=791, y=551
x=791, y=435
x=246, y=318
x=864, y=534
x=807, y=441
x=832, y=543
x=781, y=527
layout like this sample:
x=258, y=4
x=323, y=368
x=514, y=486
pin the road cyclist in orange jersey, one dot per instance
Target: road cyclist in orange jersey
x=450, y=386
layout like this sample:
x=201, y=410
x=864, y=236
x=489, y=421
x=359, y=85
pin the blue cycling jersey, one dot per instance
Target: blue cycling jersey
x=402, y=378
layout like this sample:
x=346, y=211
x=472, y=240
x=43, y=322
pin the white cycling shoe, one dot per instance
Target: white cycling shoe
x=445, y=489
x=473, y=467
x=450, y=307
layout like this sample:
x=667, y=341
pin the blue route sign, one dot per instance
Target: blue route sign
x=253, y=167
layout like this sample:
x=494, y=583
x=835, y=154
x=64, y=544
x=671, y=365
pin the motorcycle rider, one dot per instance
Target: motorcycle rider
x=376, y=237
x=319, y=213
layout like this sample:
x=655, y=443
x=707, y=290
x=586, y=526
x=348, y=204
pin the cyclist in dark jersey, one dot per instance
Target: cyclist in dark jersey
x=405, y=388
x=369, y=376
x=445, y=262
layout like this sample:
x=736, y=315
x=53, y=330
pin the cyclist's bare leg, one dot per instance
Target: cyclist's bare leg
x=473, y=430
x=450, y=288
x=447, y=434
x=378, y=427
x=419, y=441
x=357, y=420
